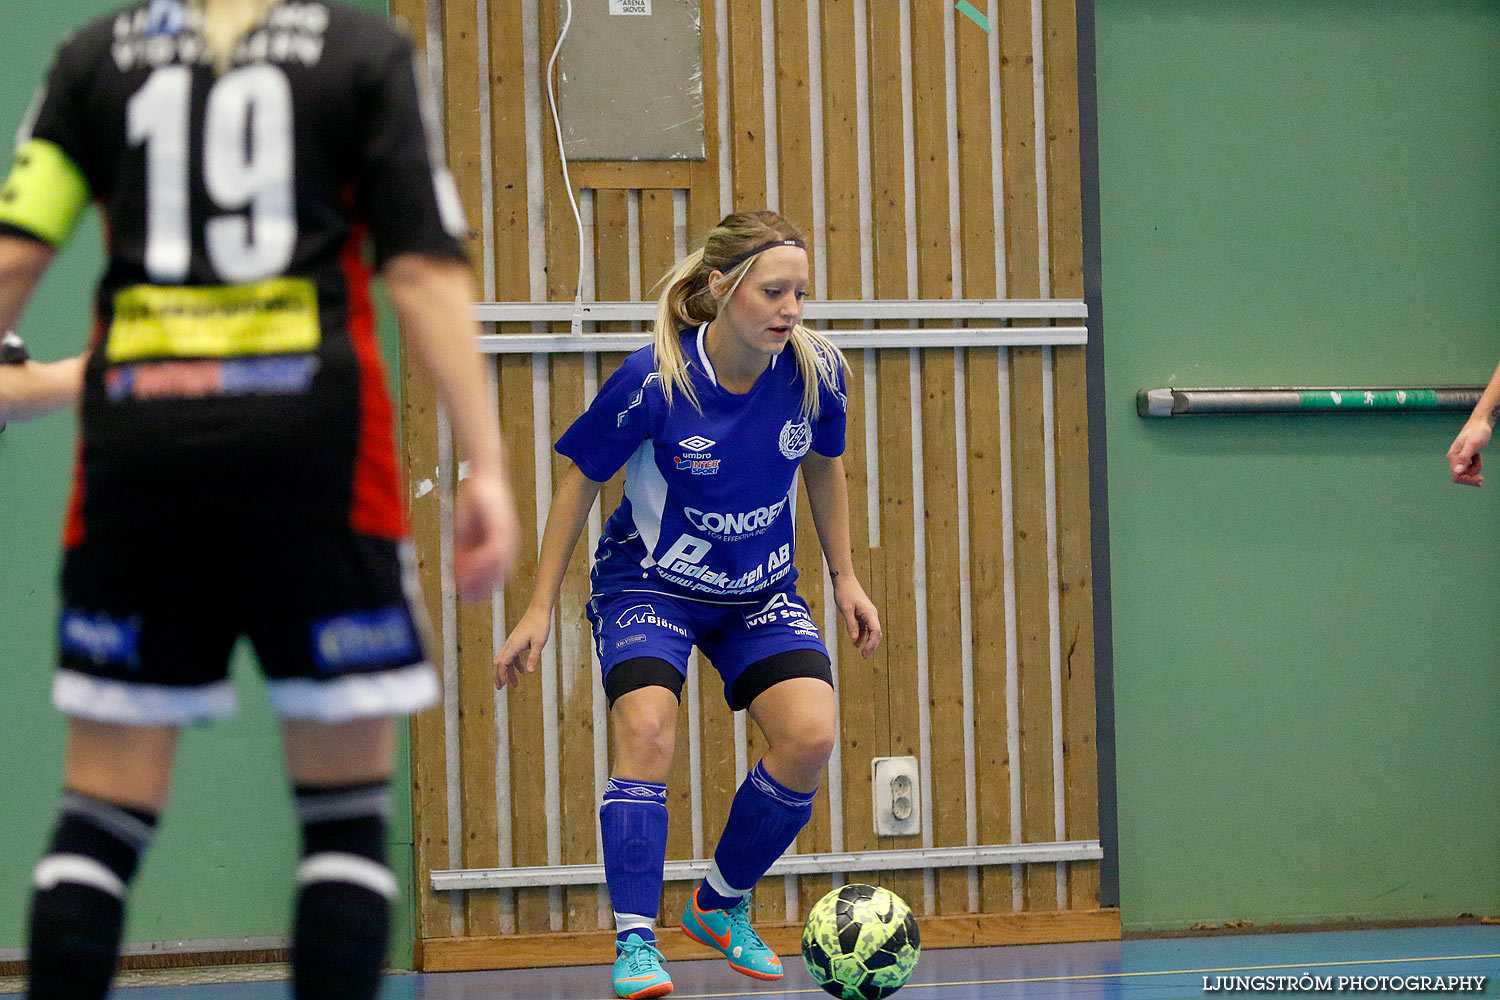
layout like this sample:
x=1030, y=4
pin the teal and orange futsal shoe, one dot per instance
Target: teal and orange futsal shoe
x=638, y=970
x=729, y=933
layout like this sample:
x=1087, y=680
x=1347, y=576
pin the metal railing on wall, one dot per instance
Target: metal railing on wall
x=1173, y=402
x=931, y=325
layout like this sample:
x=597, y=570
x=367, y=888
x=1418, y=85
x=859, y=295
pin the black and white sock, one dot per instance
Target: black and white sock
x=345, y=889
x=78, y=903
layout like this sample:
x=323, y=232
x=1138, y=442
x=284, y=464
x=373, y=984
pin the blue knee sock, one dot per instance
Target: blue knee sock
x=633, y=820
x=764, y=819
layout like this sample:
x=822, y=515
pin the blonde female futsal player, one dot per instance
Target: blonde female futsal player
x=713, y=423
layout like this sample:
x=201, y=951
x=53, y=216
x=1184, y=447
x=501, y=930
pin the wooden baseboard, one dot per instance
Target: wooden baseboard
x=180, y=960
x=973, y=930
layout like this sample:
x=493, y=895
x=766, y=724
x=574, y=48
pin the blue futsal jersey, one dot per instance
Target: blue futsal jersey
x=708, y=507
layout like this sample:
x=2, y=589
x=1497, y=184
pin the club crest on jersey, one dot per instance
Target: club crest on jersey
x=796, y=438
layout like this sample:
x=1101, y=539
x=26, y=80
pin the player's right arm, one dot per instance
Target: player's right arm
x=433, y=305
x=1463, y=454
x=41, y=201
x=37, y=388
x=29, y=388
x=570, y=509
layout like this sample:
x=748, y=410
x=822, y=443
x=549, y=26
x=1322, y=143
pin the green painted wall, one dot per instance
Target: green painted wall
x=222, y=864
x=1305, y=609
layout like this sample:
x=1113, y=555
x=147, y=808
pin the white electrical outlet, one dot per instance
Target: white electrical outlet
x=896, y=795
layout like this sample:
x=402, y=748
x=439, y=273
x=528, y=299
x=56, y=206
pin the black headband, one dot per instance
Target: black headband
x=760, y=249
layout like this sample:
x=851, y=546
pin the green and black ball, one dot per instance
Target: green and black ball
x=861, y=942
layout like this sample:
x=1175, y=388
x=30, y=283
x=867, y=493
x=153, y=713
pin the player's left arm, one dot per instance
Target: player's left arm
x=828, y=496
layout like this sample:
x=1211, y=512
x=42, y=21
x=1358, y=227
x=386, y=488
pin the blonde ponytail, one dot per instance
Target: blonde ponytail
x=684, y=302
x=818, y=362
x=687, y=300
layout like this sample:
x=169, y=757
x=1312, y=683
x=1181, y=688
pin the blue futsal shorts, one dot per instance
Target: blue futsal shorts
x=641, y=624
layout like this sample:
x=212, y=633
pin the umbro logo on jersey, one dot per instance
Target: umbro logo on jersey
x=696, y=458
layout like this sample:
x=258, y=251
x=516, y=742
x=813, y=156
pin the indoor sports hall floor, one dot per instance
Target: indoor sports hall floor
x=1132, y=970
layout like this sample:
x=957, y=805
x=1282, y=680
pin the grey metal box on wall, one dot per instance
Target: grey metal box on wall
x=630, y=80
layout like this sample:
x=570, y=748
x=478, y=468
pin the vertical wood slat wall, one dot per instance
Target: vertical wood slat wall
x=907, y=200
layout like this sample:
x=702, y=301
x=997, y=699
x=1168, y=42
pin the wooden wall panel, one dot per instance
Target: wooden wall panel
x=981, y=271
x=1024, y=281
x=512, y=283
x=477, y=743
x=862, y=703
x=747, y=113
x=880, y=708
x=1075, y=568
x=940, y=499
x=891, y=585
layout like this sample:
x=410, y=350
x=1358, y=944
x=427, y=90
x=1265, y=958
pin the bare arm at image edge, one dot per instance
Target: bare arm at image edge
x=1463, y=454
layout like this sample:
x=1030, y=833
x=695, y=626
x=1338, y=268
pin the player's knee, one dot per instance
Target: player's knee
x=811, y=748
x=645, y=742
x=647, y=754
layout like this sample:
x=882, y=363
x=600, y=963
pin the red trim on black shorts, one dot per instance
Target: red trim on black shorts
x=73, y=526
x=375, y=508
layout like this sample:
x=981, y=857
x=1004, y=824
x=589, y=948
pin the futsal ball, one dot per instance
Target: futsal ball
x=860, y=942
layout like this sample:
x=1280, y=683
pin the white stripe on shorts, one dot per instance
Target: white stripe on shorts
x=355, y=696
x=130, y=704
x=76, y=869
x=334, y=866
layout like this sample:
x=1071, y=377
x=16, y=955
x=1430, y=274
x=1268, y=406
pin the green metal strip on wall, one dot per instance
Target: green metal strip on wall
x=1173, y=402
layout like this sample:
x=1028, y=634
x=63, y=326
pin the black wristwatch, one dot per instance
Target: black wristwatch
x=13, y=350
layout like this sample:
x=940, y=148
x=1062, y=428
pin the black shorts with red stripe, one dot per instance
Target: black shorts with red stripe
x=149, y=620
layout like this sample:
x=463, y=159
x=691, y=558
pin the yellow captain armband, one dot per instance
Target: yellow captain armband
x=45, y=192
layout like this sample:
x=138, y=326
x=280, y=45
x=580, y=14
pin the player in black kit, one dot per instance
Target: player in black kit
x=236, y=472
